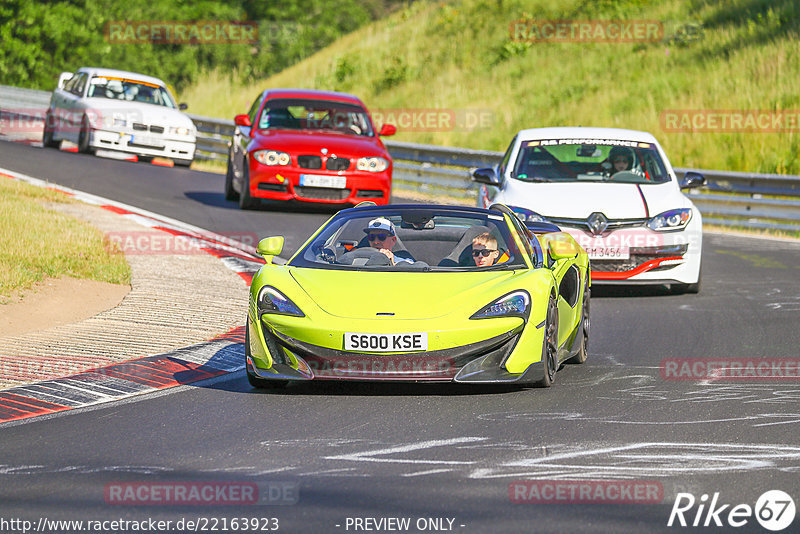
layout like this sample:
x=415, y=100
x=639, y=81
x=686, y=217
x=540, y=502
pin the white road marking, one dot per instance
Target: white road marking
x=369, y=456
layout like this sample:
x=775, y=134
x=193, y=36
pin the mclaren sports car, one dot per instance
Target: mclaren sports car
x=420, y=293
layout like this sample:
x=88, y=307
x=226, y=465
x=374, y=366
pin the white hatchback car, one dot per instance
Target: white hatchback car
x=614, y=191
x=121, y=111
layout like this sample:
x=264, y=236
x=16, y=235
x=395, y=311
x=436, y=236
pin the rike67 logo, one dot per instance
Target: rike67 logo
x=774, y=510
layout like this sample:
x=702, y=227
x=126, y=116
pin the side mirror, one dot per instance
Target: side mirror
x=388, y=129
x=561, y=246
x=242, y=120
x=485, y=175
x=182, y=106
x=63, y=78
x=269, y=247
x=692, y=179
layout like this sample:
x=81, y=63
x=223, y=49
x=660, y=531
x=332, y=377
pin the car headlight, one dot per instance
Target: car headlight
x=372, y=164
x=113, y=122
x=516, y=304
x=272, y=157
x=270, y=300
x=180, y=130
x=526, y=215
x=670, y=220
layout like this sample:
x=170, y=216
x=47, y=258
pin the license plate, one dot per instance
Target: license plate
x=323, y=180
x=409, y=342
x=609, y=253
x=143, y=140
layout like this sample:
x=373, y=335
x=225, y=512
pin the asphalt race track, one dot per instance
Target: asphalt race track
x=439, y=453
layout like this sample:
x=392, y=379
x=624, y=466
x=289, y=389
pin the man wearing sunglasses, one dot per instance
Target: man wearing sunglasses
x=484, y=250
x=381, y=235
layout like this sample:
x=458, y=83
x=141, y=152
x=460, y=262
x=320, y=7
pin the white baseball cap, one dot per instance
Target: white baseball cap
x=380, y=224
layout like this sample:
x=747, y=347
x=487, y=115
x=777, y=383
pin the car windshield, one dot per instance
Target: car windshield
x=419, y=239
x=130, y=90
x=306, y=114
x=589, y=160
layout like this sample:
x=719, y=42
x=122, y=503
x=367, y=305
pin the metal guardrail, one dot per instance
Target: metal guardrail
x=729, y=198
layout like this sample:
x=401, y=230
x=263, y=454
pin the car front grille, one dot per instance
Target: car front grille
x=639, y=256
x=322, y=193
x=139, y=127
x=309, y=162
x=337, y=164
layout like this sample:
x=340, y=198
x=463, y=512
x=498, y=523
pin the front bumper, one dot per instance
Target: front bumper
x=283, y=183
x=480, y=362
x=156, y=145
x=654, y=257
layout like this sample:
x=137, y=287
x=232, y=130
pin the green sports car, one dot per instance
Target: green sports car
x=420, y=293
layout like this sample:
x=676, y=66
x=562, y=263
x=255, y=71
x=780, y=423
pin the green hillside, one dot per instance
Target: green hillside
x=459, y=56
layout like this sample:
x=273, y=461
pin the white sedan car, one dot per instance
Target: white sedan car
x=614, y=191
x=120, y=111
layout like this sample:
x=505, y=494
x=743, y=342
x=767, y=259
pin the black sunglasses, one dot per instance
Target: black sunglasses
x=378, y=237
x=484, y=252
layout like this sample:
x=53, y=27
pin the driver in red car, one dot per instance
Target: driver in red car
x=382, y=236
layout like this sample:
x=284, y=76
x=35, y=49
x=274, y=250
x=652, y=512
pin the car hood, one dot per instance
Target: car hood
x=364, y=295
x=139, y=112
x=295, y=141
x=578, y=200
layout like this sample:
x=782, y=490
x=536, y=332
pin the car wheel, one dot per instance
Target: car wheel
x=680, y=289
x=47, y=133
x=256, y=381
x=550, y=345
x=230, y=192
x=583, y=352
x=246, y=202
x=83, y=137
x=182, y=162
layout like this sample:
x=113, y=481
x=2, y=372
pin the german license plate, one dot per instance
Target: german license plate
x=143, y=140
x=323, y=180
x=609, y=253
x=409, y=342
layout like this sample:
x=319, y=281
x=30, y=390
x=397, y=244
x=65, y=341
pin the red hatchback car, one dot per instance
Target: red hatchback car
x=311, y=146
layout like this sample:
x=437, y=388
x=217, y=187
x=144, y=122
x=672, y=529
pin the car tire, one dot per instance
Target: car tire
x=47, y=133
x=583, y=351
x=83, y=137
x=256, y=381
x=680, y=289
x=230, y=192
x=182, y=162
x=246, y=202
x=550, y=345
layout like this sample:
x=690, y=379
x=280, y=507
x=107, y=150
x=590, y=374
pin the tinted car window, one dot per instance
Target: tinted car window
x=308, y=114
x=436, y=239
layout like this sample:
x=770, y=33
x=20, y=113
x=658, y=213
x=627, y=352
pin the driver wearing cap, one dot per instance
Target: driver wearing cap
x=381, y=235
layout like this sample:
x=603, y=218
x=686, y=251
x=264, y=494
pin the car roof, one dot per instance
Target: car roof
x=114, y=73
x=585, y=132
x=314, y=94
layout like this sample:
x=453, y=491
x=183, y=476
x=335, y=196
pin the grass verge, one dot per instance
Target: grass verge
x=740, y=55
x=39, y=242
